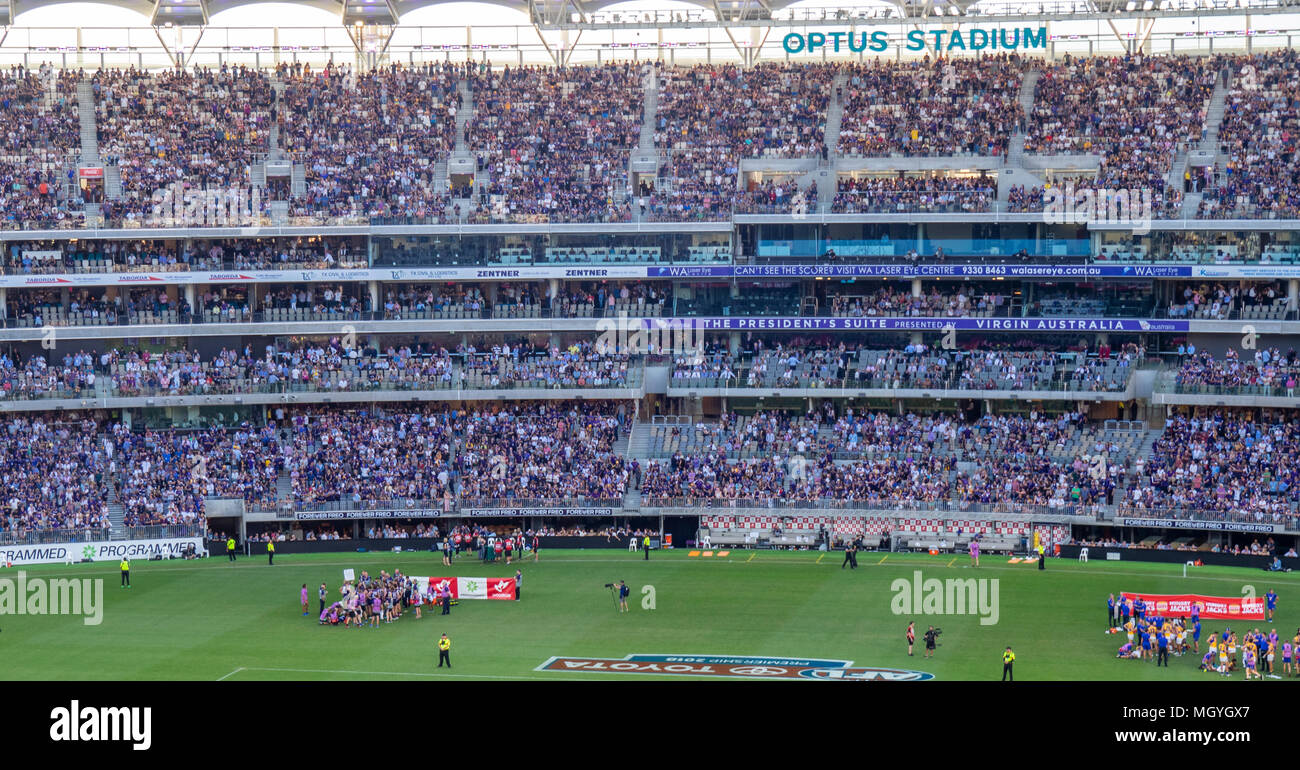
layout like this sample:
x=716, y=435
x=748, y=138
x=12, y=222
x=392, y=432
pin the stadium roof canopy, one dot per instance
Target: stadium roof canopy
x=587, y=14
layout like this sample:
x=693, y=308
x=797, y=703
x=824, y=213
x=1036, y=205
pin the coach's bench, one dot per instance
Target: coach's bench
x=952, y=543
x=792, y=538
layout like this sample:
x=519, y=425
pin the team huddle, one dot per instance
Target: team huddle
x=370, y=601
x=1151, y=637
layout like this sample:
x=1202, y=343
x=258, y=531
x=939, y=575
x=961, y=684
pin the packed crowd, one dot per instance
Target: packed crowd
x=711, y=117
x=162, y=477
x=201, y=129
x=553, y=145
x=370, y=142
x=1258, y=135
x=943, y=194
x=556, y=143
x=544, y=453
x=916, y=366
x=953, y=106
x=898, y=303
x=331, y=365
x=887, y=459
x=1136, y=112
x=1223, y=465
x=1219, y=301
x=55, y=476
x=40, y=130
x=1266, y=368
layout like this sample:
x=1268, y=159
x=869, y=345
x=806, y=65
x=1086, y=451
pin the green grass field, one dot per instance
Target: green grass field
x=210, y=620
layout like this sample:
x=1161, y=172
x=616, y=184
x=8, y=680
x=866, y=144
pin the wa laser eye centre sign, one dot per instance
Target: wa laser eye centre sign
x=919, y=40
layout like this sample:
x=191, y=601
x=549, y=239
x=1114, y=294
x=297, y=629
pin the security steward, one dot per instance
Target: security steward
x=1008, y=660
x=270, y=552
x=850, y=556
x=645, y=544
x=126, y=573
x=444, y=651
x=230, y=548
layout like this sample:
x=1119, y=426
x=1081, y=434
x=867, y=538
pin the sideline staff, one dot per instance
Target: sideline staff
x=230, y=548
x=1008, y=660
x=270, y=552
x=126, y=573
x=444, y=651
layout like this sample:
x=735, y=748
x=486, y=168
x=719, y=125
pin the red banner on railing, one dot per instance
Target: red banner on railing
x=1212, y=607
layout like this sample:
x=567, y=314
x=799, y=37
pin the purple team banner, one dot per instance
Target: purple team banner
x=923, y=271
x=760, y=323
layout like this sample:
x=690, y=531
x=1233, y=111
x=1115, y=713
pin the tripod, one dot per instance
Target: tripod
x=613, y=592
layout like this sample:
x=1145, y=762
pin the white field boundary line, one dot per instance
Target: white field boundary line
x=382, y=673
x=452, y=676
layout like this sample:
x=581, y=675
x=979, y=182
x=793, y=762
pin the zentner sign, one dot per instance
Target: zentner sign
x=918, y=40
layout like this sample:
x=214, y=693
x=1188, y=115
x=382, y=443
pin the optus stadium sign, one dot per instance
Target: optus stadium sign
x=734, y=667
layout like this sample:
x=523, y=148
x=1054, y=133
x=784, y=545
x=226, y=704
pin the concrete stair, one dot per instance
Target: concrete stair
x=441, y=179
x=112, y=182
x=463, y=115
x=51, y=98
x=1214, y=119
x=1174, y=178
x=86, y=114
x=283, y=487
x=638, y=442
x=1015, y=173
x=649, y=114
x=116, y=513
x=835, y=118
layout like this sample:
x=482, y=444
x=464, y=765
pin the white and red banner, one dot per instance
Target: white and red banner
x=501, y=588
x=1212, y=607
x=469, y=587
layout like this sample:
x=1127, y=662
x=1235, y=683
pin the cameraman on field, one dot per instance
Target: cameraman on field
x=931, y=640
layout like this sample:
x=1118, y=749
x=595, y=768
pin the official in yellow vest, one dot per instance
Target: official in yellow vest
x=444, y=651
x=230, y=548
x=270, y=552
x=1008, y=660
x=645, y=546
x=126, y=573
